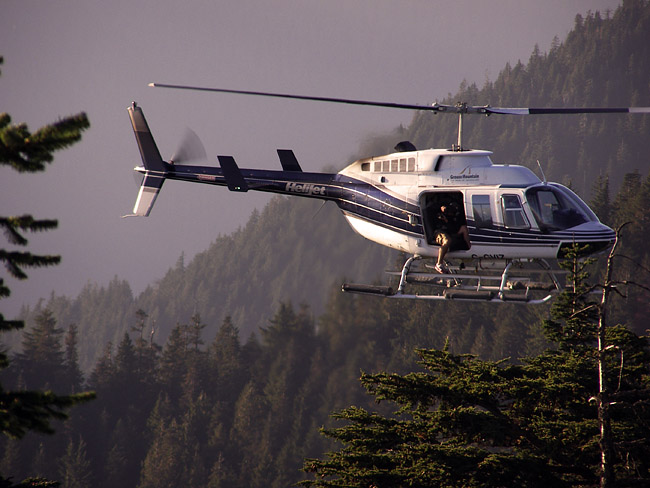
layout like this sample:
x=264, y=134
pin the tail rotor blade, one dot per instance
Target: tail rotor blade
x=190, y=149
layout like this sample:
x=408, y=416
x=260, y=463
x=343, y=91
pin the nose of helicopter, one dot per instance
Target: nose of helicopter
x=592, y=237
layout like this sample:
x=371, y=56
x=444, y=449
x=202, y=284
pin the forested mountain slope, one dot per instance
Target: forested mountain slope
x=294, y=250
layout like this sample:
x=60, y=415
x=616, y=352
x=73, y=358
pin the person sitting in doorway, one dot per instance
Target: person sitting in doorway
x=451, y=232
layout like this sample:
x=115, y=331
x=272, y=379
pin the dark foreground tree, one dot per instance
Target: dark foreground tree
x=23, y=411
x=469, y=422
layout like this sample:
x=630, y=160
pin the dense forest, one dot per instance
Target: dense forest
x=222, y=373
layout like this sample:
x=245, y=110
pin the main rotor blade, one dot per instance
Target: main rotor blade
x=567, y=110
x=436, y=108
x=459, y=108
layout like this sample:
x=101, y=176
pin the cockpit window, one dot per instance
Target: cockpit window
x=557, y=208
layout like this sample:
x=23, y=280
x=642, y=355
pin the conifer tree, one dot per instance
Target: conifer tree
x=41, y=363
x=73, y=372
x=163, y=465
x=173, y=363
x=30, y=152
x=103, y=374
x=75, y=467
x=226, y=357
x=600, y=202
x=469, y=422
x=146, y=349
x=121, y=466
x=22, y=411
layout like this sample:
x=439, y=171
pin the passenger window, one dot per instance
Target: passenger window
x=482, y=211
x=377, y=166
x=513, y=214
x=393, y=165
x=402, y=165
x=411, y=165
x=385, y=166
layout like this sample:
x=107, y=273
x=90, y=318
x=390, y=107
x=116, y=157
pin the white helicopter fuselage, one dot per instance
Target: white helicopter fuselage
x=513, y=218
x=510, y=212
x=395, y=199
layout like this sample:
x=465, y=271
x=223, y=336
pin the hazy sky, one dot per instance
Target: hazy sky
x=65, y=56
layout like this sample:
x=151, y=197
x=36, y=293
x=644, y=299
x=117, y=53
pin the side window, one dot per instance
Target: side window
x=513, y=215
x=482, y=211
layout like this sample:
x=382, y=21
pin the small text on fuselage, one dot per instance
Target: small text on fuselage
x=307, y=188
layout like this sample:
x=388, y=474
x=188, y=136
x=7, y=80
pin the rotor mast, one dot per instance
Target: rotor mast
x=462, y=109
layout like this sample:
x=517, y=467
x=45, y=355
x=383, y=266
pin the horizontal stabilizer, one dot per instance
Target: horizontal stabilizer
x=231, y=172
x=149, y=190
x=288, y=160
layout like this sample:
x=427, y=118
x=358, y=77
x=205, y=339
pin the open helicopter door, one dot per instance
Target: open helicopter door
x=430, y=203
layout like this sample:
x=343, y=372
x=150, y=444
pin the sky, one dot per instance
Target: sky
x=69, y=56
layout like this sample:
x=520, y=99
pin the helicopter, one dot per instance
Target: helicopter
x=517, y=224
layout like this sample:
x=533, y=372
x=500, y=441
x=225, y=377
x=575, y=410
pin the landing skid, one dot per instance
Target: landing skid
x=503, y=282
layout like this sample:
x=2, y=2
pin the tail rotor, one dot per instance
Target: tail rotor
x=190, y=150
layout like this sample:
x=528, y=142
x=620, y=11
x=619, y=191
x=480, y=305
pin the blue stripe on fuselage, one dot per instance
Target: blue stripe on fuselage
x=374, y=204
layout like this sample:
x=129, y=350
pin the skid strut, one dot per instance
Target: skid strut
x=405, y=271
x=460, y=283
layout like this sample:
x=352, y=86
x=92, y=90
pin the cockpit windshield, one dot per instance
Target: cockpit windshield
x=555, y=207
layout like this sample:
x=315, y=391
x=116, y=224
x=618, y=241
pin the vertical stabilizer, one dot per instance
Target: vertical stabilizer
x=148, y=149
x=155, y=169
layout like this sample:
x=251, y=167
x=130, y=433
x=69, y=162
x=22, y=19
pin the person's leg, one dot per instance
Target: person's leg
x=463, y=231
x=442, y=239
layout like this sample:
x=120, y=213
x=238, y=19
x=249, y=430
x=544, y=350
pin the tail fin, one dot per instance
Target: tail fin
x=288, y=160
x=231, y=172
x=155, y=167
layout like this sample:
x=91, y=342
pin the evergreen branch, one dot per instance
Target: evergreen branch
x=10, y=225
x=23, y=411
x=31, y=482
x=14, y=260
x=4, y=290
x=27, y=152
x=5, y=120
x=7, y=325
